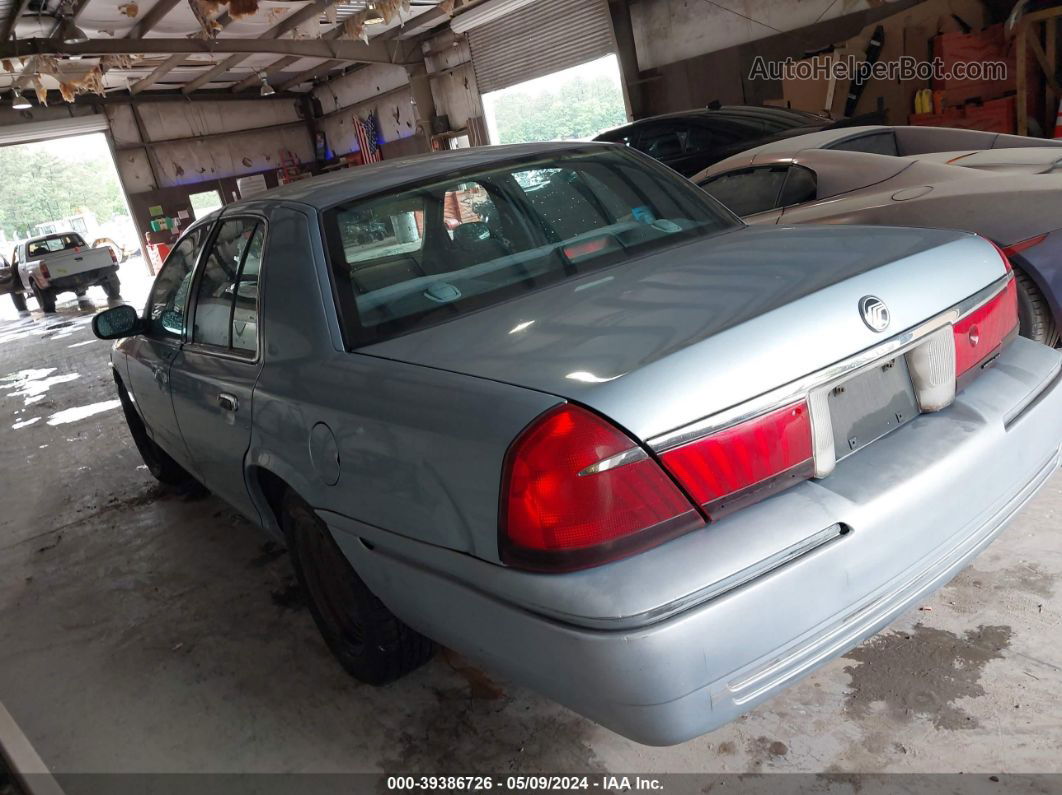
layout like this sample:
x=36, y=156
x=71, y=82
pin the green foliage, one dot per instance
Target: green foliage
x=580, y=108
x=39, y=187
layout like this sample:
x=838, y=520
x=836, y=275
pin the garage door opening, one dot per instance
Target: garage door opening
x=570, y=105
x=68, y=185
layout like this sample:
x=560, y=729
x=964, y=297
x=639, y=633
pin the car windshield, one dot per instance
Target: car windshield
x=425, y=253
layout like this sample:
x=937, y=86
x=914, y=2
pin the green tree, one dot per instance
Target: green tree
x=40, y=187
x=579, y=108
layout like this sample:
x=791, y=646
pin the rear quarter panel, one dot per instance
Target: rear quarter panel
x=420, y=450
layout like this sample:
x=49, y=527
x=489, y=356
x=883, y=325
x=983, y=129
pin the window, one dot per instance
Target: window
x=749, y=190
x=168, y=301
x=222, y=281
x=204, y=203
x=245, y=313
x=661, y=141
x=49, y=245
x=801, y=186
x=493, y=235
x=883, y=143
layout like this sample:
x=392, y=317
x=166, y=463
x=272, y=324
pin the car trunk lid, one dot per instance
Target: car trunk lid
x=661, y=342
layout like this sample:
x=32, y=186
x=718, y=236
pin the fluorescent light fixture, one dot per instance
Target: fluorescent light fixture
x=19, y=102
x=266, y=90
x=372, y=14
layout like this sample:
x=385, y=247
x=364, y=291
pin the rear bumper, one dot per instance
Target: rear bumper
x=920, y=504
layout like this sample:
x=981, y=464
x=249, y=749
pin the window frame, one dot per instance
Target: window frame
x=355, y=336
x=207, y=349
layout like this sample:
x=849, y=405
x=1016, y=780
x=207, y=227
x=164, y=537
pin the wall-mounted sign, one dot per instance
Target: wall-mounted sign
x=155, y=211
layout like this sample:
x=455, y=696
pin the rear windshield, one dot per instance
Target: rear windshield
x=53, y=243
x=426, y=253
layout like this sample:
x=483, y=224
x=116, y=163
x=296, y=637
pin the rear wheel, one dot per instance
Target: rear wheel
x=45, y=297
x=367, y=639
x=19, y=300
x=112, y=287
x=159, y=463
x=1034, y=315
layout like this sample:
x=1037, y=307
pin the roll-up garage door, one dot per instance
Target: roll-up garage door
x=538, y=39
x=30, y=132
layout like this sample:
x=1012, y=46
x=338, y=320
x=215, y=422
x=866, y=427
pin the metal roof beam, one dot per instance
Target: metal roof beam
x=354, y=51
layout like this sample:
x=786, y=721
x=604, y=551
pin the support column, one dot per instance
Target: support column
x=627, y=53
x=423, y=101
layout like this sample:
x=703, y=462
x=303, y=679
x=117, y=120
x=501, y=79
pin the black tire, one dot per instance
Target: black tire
x=45, y=298
x=163, y=468
x=1034, y=315
x=19, y=300
x=370, y=643
x=112, y=287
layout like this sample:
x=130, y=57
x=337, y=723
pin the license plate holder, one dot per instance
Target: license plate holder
x=870, y=405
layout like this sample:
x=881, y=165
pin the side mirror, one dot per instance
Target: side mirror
x=116, y=322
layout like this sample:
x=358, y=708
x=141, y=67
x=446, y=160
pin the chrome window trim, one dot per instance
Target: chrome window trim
x=802, y=388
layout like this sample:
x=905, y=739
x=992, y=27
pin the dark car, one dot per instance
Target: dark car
x=695, y=139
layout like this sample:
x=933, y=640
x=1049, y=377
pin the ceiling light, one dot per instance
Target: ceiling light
x=19, y=102
x=372, y=14
x=266, y=90
x=69, y=33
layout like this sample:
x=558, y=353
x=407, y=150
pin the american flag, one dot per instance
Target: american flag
x=367, y=133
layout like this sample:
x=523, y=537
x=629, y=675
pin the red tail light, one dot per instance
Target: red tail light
x=578, y=492
x=44, y=271
x=114, y=257
x=981, y=332
x=747, y=461
x=1017, y=248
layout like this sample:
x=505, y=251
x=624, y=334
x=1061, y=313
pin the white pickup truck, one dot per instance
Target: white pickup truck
x=53, y=264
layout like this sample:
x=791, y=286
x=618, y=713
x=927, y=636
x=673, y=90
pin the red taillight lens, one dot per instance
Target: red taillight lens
x=1017, y=248
x=745, y=462
x=114, y=257
x=556, y=515
x=44, y=271
x=978, y=334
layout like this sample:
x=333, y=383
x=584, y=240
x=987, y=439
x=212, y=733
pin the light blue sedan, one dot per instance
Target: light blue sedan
x=554, y=407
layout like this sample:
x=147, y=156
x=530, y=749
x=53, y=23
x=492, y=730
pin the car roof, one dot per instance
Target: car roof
x=727, y=111
x=354, y=183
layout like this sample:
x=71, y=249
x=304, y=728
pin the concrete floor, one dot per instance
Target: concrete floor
x=144, y=631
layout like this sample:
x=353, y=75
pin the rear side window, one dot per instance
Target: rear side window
x=429, y=252
x=801, y=186
x=883, y=143
x=748, y=190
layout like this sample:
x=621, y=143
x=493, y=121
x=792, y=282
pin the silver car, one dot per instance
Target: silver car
x=1005, y=187
x=554, y=407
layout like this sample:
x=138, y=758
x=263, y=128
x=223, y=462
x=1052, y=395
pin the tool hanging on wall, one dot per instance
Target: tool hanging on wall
x=855, y=90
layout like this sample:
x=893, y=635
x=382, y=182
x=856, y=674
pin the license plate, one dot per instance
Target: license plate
x=871, y=405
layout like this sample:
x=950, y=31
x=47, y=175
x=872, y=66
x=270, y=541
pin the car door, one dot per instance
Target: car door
x=151, y=354
x=214, y=374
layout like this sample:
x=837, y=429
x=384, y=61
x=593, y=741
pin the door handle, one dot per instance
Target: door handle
x=228, y=402
x=159, y=374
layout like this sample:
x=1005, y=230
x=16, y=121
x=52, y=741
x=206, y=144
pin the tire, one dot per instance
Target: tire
x=1034, y=315
x=370, y=643
x=112, y=287
x=45, y=298
x=19, y=300
x=163, y=468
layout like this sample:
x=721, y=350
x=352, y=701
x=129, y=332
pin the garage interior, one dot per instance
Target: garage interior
x=144, y=630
